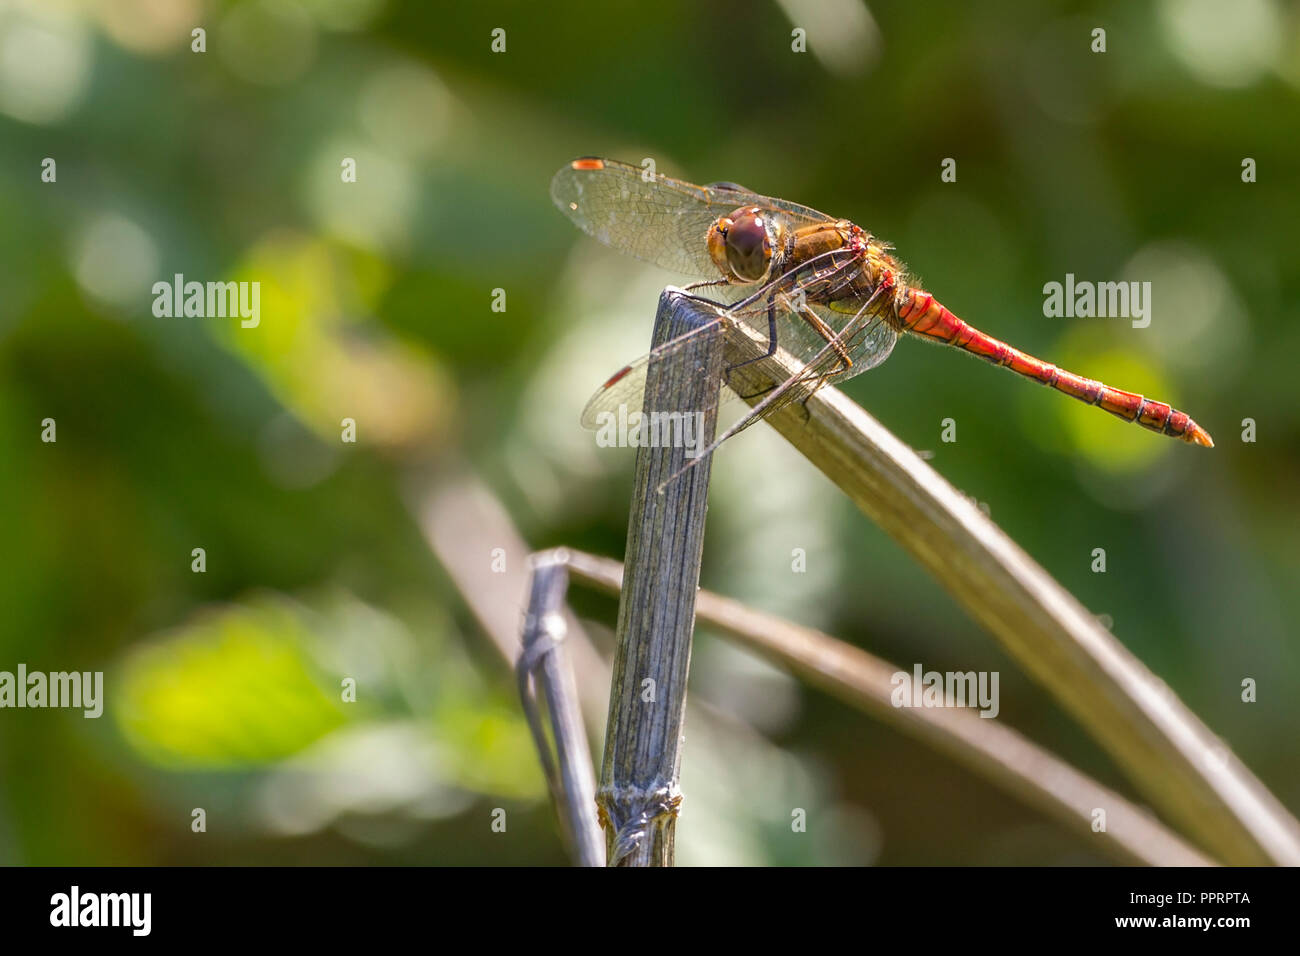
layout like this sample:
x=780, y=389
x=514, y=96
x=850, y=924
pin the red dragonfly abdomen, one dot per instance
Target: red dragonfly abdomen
x=920, y=314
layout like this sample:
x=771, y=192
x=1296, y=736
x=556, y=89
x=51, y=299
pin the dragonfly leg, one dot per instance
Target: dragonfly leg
x=761, y=391
x=829, y=334
x=771, y=337
x=835, y=342
x=821, y=380
x=703, y=284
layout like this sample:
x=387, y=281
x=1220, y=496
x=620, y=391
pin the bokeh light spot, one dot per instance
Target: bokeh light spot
x=116, y=262
x=45, y=61
x=1229, y=45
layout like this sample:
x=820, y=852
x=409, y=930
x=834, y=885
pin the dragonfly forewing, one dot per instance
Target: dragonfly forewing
x=655, y=218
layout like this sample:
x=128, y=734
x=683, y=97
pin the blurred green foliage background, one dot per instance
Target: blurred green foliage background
x=223, y=687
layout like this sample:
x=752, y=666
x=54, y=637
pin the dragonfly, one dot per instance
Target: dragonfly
x=827, y=293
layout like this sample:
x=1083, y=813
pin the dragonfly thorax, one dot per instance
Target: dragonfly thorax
x=741, y=245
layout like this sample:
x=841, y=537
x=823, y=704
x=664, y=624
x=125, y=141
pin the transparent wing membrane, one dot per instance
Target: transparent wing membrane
x=660, y=220
x=625, y=389
x=819, y=344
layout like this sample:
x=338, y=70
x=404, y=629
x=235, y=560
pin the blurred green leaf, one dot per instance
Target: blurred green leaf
x=234, y=689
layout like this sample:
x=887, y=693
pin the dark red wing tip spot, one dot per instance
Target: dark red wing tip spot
x=617, y=376
x=588, y=164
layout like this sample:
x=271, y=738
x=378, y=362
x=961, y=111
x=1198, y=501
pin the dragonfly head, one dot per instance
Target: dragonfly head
x=741, y=244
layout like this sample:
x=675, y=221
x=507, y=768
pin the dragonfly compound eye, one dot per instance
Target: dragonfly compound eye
x=749, y=247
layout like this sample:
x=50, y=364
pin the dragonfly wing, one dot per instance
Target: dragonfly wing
x=624, y=392
x=871, y=336
x=814, y=336
x=867, y=341
x=864, y=337
x=656, y=218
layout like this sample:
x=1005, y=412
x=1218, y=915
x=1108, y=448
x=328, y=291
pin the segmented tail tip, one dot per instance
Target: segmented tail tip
x=1198, y=435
